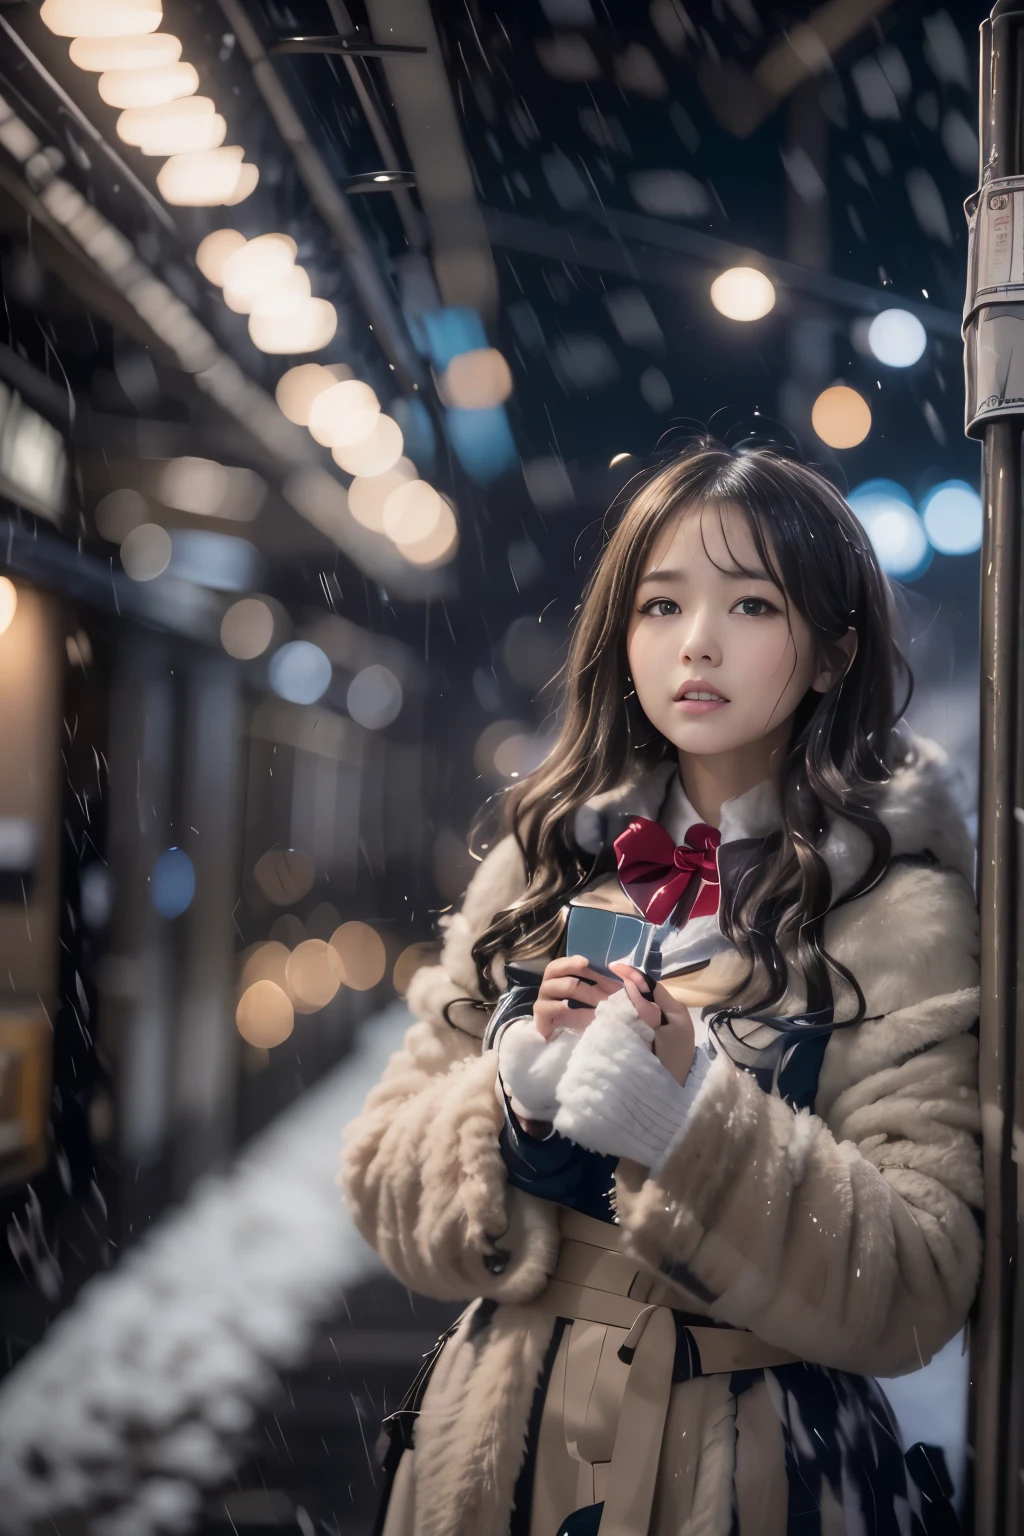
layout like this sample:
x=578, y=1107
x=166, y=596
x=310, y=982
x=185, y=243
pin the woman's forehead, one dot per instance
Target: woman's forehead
x=719, y=531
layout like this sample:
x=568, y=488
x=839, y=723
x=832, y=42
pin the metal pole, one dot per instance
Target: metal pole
x=995, y=414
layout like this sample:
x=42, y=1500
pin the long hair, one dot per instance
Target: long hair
x=843, y=744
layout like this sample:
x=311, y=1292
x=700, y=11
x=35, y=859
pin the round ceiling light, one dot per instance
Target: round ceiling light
x=298, y=388
x=743, y=293
x=343, y=414
x=101, y=18
x=305, y=329
x=204, y=179
x=149, y=50
x=147, y=87
x=213, y=252
x=376, y=453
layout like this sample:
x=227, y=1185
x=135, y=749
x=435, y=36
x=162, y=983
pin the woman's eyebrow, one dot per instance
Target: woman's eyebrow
x=729, y=575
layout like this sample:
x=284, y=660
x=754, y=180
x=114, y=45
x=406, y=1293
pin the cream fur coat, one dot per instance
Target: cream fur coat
x=847, y=1236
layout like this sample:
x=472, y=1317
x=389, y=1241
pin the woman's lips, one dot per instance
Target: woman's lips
x=700, y=706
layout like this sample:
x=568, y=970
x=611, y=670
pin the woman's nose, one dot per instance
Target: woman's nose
x=699, y=642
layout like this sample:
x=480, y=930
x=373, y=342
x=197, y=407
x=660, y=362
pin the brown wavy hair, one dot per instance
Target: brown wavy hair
x=843, y=745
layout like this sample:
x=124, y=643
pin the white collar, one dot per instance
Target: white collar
x=752, y=814
x=922, y=806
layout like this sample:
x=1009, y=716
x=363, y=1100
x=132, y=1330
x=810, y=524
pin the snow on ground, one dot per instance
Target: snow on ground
x=136, y=1397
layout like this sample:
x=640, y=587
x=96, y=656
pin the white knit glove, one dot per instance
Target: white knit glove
x=531, y=1067
x=615, y=1097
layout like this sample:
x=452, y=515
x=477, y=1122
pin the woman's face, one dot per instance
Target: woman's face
x=695, y=627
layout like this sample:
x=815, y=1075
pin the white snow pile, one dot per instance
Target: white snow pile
x=138, y=1396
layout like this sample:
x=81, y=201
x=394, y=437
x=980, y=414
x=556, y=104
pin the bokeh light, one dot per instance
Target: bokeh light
x=8, y=603
x=322, y=921
x=298, y=388
x=841, y=417
x=374, y=697
x=412, y=512
x=519, y=754
x=363, y=957
x=305, y=329
x=482, y=440
x=247, y=629
x=288, y=929
x=314, y=973
x=194, y=485
x=489, y=741
x=172, y=884
x=477, y=380
x=212, y=253
x=208, y=178
x=265, y=962
x=177, y=128
x=413, y=956
x=343, y=414
x=96, y=895
x=285, y=297
x=101, y=18
x=146, y=51
x=254, y=267
x=743, y=293
x=300, y=672
x=264, y=1016
x=885, y=510
x=148, y=87
x=146, y=552
x=374, y=454
x=897, y=338
x=148, y=124
x=439, y=545
x=119, y=512
x=219, y=561
x=953, y=517
x=284, y=875
x=368, y=494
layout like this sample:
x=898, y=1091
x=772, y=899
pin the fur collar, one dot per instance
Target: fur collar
x=920, y=806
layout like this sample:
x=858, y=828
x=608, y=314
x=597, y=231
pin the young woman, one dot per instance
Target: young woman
x=696, y=1196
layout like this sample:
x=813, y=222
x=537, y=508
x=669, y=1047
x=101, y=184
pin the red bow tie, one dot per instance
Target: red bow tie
x=657, y=875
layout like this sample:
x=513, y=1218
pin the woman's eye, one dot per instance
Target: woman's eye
x=658, y=605
x=765, y=606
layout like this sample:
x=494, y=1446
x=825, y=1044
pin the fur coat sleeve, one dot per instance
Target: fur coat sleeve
x=421, y=1168
x=847, y=1235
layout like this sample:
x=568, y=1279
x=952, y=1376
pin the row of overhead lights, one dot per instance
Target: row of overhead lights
x=386, y=495
x=142, y=73
x=261, y=278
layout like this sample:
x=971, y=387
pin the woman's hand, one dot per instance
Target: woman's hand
x=674, y=1040
x=570, y=976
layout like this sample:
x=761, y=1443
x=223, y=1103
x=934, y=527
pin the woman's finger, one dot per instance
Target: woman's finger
x=550, y=1016
x=646, y=1010
x=562, y=987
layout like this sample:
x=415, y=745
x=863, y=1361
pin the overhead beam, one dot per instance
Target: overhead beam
x=648, y=250
x=460, y=250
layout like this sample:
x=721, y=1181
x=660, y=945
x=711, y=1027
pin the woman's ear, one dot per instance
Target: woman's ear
x=825, y=678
